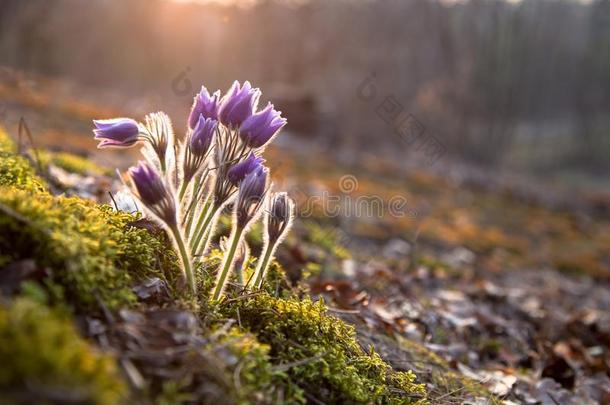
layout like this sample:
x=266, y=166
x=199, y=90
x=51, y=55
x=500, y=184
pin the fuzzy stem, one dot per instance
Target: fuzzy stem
x=228, y=259
x=190, y=211
x=203, y=215
x=186, y=262
x=163, y=166
x=202, y=226
x=207, y=234
x=261, y=268
x=239, y=272
x=182, y=190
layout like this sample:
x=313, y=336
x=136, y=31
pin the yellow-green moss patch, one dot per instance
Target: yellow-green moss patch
x=15, y=170
x=446, y=382
x=321, y=355
x=92, y=250
x=44, y=360
x=255, y=378
x=71, y=163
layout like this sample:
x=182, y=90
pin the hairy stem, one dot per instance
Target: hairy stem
x=207, y=234
x=186, y=261
x=261, y=267
x=202, y=226
x=182, y=190
x=163, y=167
x=192, y=205
x=227, y=264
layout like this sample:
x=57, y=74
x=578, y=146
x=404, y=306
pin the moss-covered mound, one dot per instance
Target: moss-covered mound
x=44, y=360
x=90, y=249
x=93, y=252
x=321, y=355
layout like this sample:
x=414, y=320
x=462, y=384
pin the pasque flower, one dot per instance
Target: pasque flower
x=238, y=104
x=154, y=192
x=259, y=128
x=201, y=138
x=197, y=146
x=116, y=132
x=204, y=104
x=238, y=172
x=219, y=161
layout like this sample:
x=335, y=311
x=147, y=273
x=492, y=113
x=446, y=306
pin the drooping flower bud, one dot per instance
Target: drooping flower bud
x=206, y=105
x=238, y=172
x=238, y=104
x=154, y=193
x=259, y=128
x=250, y=196
x=116, y=132
x=279, y=217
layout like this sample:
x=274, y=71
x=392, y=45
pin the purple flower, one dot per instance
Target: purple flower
x=259, y=128
x=198, y=146
x=238, y=172
x=250, y=196
x=205, y=105
x=153, y=192
x=116, y=132
x=238, y=104
x=202, y=136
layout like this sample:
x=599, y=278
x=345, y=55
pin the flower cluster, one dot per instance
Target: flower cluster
x=218, y=162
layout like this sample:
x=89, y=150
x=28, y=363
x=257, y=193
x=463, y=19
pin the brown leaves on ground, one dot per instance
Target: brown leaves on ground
x=533, y=336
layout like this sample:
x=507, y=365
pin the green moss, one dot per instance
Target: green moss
x=446, y=382
x=329, y=238
x=15, y=170
x=45, y=361
x=276, y=282
x=91, y=249
x=6, y=143
x=258, y=381
x=254, y=236
x=71, y=163
x=321, y=355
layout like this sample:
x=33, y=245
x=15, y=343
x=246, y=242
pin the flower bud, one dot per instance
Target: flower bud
x=250, y=196
x=202, y=136
x=279, y=217
x=197, y=146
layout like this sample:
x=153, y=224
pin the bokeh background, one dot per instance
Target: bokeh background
x=517, y=87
